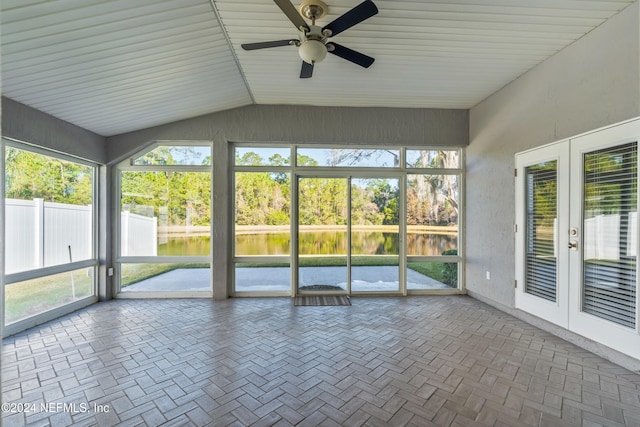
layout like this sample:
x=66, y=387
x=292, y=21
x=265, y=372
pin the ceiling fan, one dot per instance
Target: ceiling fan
x=313, y=43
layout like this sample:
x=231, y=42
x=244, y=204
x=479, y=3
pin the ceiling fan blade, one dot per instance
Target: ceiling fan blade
x=350, y=55
x=264, y=45
x=306, y=71
x=292, y=13
x=364, y=10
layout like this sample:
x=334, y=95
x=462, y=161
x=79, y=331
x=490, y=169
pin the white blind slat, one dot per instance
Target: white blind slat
x=541, y=205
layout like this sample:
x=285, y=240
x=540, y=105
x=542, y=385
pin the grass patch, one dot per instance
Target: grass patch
x=35, y=296
x=444, y=272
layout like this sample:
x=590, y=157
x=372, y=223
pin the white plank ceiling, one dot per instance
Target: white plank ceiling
x=113, y=66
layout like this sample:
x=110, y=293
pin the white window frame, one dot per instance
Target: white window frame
x=127, y=165
x=93, y=262
x=401, y=172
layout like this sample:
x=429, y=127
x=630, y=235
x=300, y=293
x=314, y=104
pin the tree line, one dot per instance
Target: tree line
x=261, y=198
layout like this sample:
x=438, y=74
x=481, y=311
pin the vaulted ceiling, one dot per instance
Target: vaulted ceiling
x=113, y=66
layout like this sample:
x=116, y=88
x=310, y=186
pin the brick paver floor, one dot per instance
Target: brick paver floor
x=418, y=361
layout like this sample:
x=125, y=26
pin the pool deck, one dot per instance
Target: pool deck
x=278, y=279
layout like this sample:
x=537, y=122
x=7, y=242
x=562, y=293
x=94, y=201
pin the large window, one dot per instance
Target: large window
x=49, y=212
x=262, y=219
x=346, y=220
x=432, y=212
x=165, y=221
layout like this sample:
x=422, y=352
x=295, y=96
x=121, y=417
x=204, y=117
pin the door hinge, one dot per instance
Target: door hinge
x=515, y=173
x=516, y=283
x=515, y=228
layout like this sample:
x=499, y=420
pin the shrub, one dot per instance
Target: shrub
x=450, y=270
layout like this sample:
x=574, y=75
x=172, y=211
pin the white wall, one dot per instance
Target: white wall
x=592, y=83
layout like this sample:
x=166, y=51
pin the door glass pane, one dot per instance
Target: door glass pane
x=322, y=238
x=374, y=235
x=610, y=233
x=541, y=229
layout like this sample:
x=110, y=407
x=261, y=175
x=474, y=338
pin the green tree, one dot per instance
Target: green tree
x=30, y=175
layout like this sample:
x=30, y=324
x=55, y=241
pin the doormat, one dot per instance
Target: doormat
x=321, y=300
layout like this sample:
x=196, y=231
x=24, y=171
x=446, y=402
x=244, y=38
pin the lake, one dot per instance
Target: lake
x=317, y=243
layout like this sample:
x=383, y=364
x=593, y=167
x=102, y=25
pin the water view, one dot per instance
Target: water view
x=315, y=243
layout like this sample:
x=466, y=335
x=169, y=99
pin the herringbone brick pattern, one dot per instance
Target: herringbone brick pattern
x=419, y=361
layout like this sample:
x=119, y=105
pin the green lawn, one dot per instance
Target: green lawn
x=35, y=296
x=31, y=297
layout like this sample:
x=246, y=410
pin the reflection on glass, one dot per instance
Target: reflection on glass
x=540, y=236
x=610, y=213
x=262, y=156
x=165, y=277
x=262, y=213
x=263, y=277
x=374, y=235
x=432, y=214
x=348, y=157
x=322, y=208
x=440, y=159
x=190, y=155
x=165, y=213
x=35, y=296
x=48, y=211
x=432, y=275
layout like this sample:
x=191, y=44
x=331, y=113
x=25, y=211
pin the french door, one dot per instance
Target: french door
x=322, y=235
x=348, y=234
x=577, y=235
x=542, y=212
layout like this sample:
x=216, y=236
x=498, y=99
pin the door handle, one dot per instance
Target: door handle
x=573, y=245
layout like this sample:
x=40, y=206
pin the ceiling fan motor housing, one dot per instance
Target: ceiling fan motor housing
x=313, y=9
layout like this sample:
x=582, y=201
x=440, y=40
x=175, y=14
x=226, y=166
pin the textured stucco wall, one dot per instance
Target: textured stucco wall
x=35, y=127
x=278, y=123
x=291, y=124
x=590, y=84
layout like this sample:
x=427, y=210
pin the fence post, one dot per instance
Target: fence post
x=39, y=232
x=124, y=233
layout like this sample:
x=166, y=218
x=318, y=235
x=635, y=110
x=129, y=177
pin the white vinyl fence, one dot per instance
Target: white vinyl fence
x=602, y=237
x=41, y=234
x=138, y=235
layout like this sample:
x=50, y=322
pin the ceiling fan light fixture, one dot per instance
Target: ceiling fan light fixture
x=312, y=51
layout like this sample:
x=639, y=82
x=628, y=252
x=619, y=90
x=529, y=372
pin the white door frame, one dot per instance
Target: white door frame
x=553, y=311
x=626, y=340
x=567, y=311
